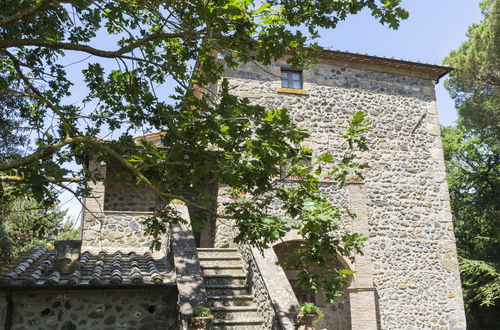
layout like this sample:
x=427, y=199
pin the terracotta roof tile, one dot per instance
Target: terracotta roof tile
x=36, y=269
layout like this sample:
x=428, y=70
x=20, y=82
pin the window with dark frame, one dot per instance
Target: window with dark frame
x=291, y=79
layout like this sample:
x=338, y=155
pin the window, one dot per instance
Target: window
x=284, y=171
x=291, y=79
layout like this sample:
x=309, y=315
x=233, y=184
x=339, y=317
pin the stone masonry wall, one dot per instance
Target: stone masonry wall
x=116, y=231
x=411, y=240
x=130, y=197
x=87, y=310
x=114, y=215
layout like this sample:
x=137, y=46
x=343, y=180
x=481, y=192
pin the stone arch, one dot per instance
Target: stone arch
x=337, y=315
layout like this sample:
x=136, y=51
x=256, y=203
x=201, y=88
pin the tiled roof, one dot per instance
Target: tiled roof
x=36, y=269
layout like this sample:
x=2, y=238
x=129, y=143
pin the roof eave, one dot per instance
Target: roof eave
x=434, y=70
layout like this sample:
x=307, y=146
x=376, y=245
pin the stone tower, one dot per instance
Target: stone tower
x=408, y=277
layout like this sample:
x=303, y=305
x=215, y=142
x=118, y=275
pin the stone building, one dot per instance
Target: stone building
x=407, y=278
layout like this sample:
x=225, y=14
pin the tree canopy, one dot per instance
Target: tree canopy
x=27, y=223
x=472, y=157
x=129, y=51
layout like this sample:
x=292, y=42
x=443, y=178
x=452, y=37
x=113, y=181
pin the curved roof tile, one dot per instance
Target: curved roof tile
x=35, y=269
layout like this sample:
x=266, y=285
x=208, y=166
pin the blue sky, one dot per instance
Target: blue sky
x=434, y=28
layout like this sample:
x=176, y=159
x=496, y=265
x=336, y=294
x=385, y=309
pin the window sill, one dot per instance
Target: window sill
x=292, y=91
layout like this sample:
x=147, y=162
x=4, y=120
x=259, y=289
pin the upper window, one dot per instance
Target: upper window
x=306, y=163
x=291, y=79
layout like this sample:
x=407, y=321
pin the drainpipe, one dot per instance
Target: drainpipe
x=9, y=311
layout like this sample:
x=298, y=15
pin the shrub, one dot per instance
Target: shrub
x=310, y=308
x=201, y=311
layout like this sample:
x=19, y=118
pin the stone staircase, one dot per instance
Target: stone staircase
x=231, y=299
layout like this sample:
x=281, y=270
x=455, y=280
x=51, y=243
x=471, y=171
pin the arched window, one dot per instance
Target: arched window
x=337, y=314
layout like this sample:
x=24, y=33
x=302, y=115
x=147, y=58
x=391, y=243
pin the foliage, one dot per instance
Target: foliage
x=27, y=224
x=310, y=308
x=201, y=311
x=474, y=83
x=208, y=132
x=11, y=136
x=472, y=157
x=473, y=172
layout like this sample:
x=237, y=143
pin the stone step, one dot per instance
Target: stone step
x=226, y=289
x=218, y=252
x=216, y=261
x=223, y=270
x=217, y=249
x=242, y=300
x=215, y=257
x=238, y=324
x=235, y=312
x=225, y=279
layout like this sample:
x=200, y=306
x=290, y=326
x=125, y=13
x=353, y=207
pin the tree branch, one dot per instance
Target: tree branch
x=41, y=153
x=49, y=179
x=4, y=44
x=27, y=12
x=51, y=149
x=25, y=79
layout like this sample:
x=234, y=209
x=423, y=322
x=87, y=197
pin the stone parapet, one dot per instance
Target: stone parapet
x=261, y=290
x=115, y=230
x=280, y=291
x=187, y=268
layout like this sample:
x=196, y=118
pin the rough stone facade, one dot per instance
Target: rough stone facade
x=411, y=274
x=114, y=215
x=108, y=310
x=130, y=197
x=115, y=230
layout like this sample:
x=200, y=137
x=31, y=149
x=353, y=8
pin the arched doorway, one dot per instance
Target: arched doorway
x=337, y=315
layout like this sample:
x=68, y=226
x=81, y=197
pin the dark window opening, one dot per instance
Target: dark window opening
x=284, y=170
x=291, y=79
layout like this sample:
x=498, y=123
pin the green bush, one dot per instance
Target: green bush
x=310, y=308
x=201, y=311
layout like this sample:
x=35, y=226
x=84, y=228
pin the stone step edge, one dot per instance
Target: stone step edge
x=219, y=257
x=224, y=297
x=238, y=321
x=225, y=286
x=223, y=267
x=217, y=249
x=225, y=276
x=233, y=308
